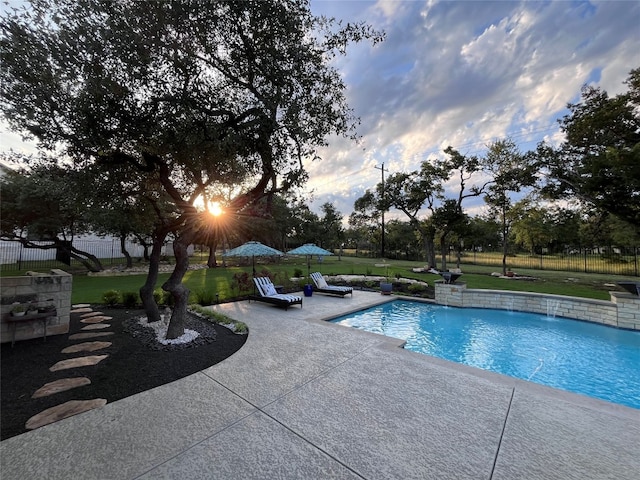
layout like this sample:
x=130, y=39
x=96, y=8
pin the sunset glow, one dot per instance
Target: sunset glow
x=215, y=209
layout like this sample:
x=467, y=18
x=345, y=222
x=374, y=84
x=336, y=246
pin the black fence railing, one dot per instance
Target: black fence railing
x=609, y=260
x=606, y=260
x=14, y=256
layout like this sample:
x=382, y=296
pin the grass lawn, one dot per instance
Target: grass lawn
x=89, y=289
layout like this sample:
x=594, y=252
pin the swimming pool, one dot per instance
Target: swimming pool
x=580, y=357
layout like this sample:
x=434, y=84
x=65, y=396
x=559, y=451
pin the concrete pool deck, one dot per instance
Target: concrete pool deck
x=306, y=399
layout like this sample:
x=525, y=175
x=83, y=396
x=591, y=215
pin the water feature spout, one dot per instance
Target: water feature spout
x=450, y=277
x=552, y=307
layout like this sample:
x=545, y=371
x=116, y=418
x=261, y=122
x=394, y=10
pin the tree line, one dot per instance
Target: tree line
x=585, y=191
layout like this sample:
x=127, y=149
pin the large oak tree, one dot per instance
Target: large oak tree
x=599, y=161
x=193, y=94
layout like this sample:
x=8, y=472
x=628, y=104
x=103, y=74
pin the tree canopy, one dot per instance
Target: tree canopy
x=193, y=94
x=599, y=161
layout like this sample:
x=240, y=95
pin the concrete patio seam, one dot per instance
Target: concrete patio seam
x=504, y=427
x=199, y=442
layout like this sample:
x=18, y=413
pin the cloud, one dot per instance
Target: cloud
x=465, y=74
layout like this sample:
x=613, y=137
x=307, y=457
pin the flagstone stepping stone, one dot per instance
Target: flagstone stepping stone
x=84, y=336
x=60, y=386
x=86, y=347
x=80, y=305
x=82, y=310
x=90, y=314
x=67, y=409
x=96, y=326
x=77, y=362
x=95, y=319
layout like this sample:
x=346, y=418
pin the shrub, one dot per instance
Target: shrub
x=111, y=297
x=416, y=288
x=158, y=296
x=220, y=319
x=163, y=298
x=205, y=297
x=297, y=273
x=130, y=299
x=265, y=273
x=241, y=282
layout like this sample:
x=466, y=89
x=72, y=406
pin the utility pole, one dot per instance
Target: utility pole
x=382, y=236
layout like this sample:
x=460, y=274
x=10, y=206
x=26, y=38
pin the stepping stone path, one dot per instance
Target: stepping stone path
x=82, y=310
x=77, y=362
x=87, y=347
x=96, y=326
x=67, y=409
x=73, y=407
x=60, y=386
x=84, y=336
x=98, y=319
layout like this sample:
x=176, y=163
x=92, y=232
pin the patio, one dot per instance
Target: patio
x=307, y=399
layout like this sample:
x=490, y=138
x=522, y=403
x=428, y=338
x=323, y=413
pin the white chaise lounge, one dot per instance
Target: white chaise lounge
x=323, y=287
x=267, y=293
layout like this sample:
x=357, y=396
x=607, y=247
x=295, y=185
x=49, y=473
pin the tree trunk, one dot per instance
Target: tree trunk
x=88, y=260
x=505, y=246
x=145, y=247
x=174, y=286
x=146, y=291
x=443, y=252
x=123, y=250
x=212, y=262
x=428, y=242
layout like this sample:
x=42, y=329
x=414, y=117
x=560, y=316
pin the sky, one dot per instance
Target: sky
x=461, y=74
x=464, y=74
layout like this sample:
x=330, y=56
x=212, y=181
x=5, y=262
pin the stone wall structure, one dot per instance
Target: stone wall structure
x=623, y=311
x=35, y=289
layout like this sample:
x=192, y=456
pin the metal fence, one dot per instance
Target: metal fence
x=14, y=256
x=609, y=260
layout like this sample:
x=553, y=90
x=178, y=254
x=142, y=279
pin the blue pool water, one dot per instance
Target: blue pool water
x=581, y=357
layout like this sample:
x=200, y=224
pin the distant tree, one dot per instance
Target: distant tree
x=418, y=194
x=531, y=226
x=450, y=219
x=192, y=94
x=414, y=192
x=402, y=240
x=364, y=224
x=331, y=224
x=483, y=233
x=599, y=162
x=121, y=206
x=46, y=207
x=510, y=172
x=565, y=228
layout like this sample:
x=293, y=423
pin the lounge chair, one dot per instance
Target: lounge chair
x=267, y=293
x=322, y=287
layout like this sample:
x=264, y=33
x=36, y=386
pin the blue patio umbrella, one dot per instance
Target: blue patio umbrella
x=253, y=250
x=309, y=249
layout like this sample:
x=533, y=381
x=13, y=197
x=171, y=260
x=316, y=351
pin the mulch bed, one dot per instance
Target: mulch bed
x=136, y=363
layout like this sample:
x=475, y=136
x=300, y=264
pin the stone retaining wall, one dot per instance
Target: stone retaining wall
x=36, y=288
x=623, y=311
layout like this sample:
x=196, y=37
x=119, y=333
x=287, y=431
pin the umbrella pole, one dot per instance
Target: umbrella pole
x=253, y=266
